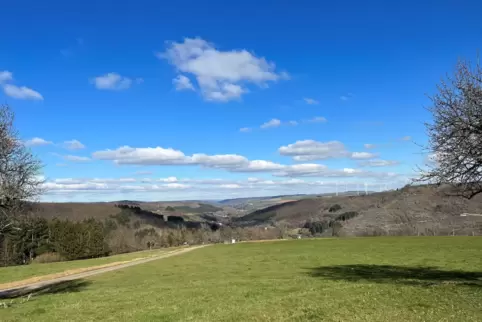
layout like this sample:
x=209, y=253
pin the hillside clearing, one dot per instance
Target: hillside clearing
x=359, y=279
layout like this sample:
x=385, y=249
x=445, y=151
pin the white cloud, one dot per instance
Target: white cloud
x=169, y=156
x=112, y=81
x=37, y=142
x=344, y=98
x=406, y=138
x=145, y=156
x=177, y=185
x=230, y=186
x=245, y=129
x=303, y=170
x=317, y=119
x=93, y=180
x=276, y=122
x=271, y=123
x=110, y=180
x=369, y=146
x=74, y=186
x=378, y=163
x=220, y=75
x=22, y=92
x=169, y=179
x=363, y=155
x=259, y=166
x=320, y=170
x=103, y=189
x=311, y=101
x=224, y=161
x=308, y=150
x=73, y=145
x=5, y=76
x=181, y=82
x=228, y=92
x=76, y=158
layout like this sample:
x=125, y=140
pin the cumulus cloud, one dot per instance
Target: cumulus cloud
x=259, y=166
x=271, y=123
x=73, y=145
x=308, y=150
x=37, y=142
x=363, y=155
x=230, y=186
x=277, y=123
x=181, y=83
x=18, y=92
x=102, y=189
x=320, y=170
x=220, y=75
x=142, y=156
x=162, y=156
x=378, y=163
x=169, y=179
x=300, y=151
x=70, y=187
x=369, y=146
x=245, y=129
x=310, y=101
x=177, y=185
x=112, y=81
x=5, y=76
x=22, y=92
x=223, y=161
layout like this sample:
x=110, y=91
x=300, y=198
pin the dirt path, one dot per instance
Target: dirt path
x=43, y=285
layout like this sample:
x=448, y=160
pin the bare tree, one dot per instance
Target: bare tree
x=455, y=134
x=19, y=172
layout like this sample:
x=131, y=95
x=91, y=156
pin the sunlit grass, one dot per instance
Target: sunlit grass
x=360, y=279
x=16, y=273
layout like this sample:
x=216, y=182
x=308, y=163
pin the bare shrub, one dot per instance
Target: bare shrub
x=50, y=257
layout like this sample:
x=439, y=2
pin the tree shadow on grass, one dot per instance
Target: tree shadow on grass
x=405, y=275
x=68, y=286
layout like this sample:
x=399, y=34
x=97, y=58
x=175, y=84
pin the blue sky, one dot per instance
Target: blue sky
x=157, y=101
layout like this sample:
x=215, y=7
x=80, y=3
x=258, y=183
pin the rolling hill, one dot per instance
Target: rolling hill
x=419, y=210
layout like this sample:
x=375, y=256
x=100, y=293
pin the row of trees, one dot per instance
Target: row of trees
x=33, y=237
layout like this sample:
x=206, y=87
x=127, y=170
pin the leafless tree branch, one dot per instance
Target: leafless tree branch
x=19, y=172
x=455, y=134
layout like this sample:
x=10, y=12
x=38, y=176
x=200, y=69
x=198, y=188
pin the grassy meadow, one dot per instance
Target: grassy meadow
x=360, y=279
x=17, y=273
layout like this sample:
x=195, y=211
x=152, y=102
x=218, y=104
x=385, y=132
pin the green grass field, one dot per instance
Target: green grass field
x=363, y=279
x=17, y=273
